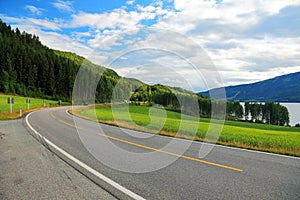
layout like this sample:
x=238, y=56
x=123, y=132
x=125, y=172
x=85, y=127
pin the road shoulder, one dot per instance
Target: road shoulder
x=30, y=171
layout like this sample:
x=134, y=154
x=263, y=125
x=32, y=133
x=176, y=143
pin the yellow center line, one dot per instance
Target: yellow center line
x=52, y=115
x=154, y=149
x=62, y=121
x=172, y=154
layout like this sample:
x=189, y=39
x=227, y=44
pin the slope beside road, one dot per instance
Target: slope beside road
x=225, y=173
x=29, y=171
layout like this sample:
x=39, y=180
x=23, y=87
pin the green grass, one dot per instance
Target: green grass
x=20, y=103
x=270, y=138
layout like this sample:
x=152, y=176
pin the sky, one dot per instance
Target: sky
x=195, y=44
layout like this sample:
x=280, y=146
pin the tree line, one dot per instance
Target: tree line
x=269, y=113
x=195, y=104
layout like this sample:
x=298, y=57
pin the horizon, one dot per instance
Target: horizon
x=244, y=42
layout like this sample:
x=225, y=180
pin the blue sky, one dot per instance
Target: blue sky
x=229, y=42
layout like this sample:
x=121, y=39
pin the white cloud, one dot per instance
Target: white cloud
x=50, y=38
x=34, y=10
x=118, y=18
x=66, y=6
x=112, y=26
x=154, y=9
x=167, y=58
x=56, y=41
x=235, y=16
x=130, y=2
x=44, y=23
x=79, y=36
x=104, y=42
x=64, y=43
x=252, y=59
x=41, y=23
x=265, y=53
x=226, y=32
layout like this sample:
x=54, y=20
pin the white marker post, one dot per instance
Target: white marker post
x=28, y=102
x=44, y=101
x=20, y=112
x=10, y=101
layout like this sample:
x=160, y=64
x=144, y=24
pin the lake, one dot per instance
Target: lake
x=294, y=110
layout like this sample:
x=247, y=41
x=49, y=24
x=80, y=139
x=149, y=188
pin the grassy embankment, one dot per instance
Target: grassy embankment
x=20, y=103
x=262, y=137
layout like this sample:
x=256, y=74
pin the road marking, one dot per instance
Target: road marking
x=67, y=112
x=52, y=115
x=85, y=166
x=172, y=154
x=62, y=121
x=158, y=150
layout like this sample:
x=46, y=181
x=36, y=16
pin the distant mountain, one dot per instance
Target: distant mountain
x=284, y=88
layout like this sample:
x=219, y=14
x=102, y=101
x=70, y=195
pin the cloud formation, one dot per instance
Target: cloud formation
x=241, y=37
x=246, y=40
x=66, y=6
x=34, y=10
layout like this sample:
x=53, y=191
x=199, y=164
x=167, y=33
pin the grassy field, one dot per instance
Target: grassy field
x=269, y=138
x=20, y=103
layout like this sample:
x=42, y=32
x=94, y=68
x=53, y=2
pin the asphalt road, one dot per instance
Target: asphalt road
x=152, y=167
x=28, y=171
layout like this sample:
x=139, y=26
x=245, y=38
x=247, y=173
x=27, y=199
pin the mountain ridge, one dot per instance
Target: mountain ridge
x=284, y=88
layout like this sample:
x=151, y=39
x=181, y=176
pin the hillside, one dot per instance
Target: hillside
x=29, y=68
x=284, y=88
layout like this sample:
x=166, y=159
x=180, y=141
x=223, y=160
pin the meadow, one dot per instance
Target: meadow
x=262, y=137
x=20, y=103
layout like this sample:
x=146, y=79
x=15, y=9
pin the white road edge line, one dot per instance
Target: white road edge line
x=67, y=112
x=85, y=166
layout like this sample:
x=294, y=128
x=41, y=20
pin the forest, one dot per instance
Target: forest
x=29, y=68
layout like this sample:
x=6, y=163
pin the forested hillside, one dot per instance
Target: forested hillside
x=29, y=68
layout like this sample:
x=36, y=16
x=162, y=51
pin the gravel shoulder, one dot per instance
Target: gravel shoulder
x=30, y=171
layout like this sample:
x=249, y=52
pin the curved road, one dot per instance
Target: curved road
x=225, y=173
